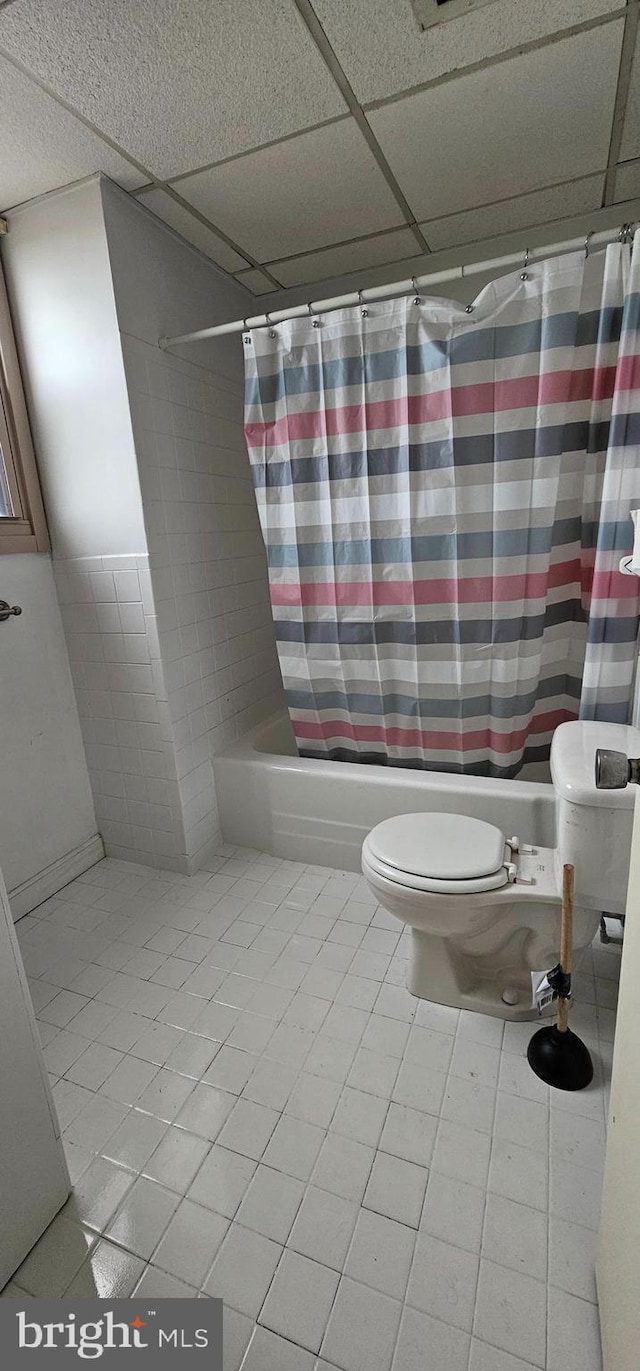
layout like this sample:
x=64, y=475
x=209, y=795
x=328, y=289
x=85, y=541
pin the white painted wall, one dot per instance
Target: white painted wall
x=34, y=1180
x=163, y=285
x=57, y=268
x=46, y=807
x=620, y=1223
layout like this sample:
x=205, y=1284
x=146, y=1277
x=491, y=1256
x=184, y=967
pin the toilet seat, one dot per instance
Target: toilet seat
x=449, y=854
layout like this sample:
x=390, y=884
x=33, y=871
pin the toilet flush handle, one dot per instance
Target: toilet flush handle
x=614, y=770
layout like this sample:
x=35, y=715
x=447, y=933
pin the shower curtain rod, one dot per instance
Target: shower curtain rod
x=414, y=283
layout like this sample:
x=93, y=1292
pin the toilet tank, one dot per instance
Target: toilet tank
x=593, y=826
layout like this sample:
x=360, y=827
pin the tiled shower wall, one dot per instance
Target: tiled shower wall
x=110, y=627
x=207, y=567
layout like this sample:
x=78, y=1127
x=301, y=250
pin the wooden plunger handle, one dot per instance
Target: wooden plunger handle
x=566, y=940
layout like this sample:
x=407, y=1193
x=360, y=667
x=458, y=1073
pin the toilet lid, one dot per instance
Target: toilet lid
x=448, y=847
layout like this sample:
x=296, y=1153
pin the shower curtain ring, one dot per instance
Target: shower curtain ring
x=586, y=244
x=524, y=275
x=272, y=332
x=363, y=308
x=316, y=322
x=416, y=298
x=625, y=233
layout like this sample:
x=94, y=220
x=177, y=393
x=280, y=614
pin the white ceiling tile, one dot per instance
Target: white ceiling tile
x=627, y=181
x=630, y=146
x=177, y=83
x=522, y=124
x=302, y=194
x=43, y=147
x=255, y=281
x=365, y=252
x=191, y=228
x=383, y=51
x=539, y=207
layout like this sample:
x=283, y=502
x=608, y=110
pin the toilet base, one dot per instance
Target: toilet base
x=433, y=974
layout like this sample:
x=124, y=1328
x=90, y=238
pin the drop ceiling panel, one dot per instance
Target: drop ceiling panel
x=255, y=281
x=514, y=127
x=365, y=252
x=630, y=146
x=43, y=147
x=177, y=83
x=191, y=228
x=383, y=50
x=303, y=194
x=627, y=181
x=539, y=207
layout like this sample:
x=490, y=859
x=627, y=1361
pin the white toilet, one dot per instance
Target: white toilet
x=484, y=908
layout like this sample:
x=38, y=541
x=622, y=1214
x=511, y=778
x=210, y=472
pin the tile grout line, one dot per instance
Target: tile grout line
x=181, y=887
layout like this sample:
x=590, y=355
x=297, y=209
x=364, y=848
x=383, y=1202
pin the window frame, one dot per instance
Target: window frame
x=25, y=530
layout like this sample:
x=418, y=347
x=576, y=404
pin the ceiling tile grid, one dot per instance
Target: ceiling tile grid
x=627, y=181
x=630, y=145
x=541, y=117
x=234, y=121
x=197, y=233
x=345, y=257
x=307, y=192
x=43, y=146
x=538, y=207
x=178, y=83
x=383, y=51
x=255, y=281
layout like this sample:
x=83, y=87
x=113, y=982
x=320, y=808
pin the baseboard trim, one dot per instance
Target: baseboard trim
x=23, y=898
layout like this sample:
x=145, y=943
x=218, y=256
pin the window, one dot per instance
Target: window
x=23, y=526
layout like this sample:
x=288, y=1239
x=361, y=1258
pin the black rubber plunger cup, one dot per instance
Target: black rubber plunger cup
x=555, y=1053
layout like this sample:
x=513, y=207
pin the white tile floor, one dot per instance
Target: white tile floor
x=253, y=1106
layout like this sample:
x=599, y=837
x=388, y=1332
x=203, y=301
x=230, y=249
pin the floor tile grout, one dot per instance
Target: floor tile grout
x=297, y=909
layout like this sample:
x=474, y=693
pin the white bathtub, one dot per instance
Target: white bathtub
x=320, y=812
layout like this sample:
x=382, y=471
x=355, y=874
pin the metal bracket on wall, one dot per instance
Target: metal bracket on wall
x=6, y=610
x=4, y=227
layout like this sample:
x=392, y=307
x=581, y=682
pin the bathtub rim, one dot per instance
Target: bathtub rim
x=243, y=749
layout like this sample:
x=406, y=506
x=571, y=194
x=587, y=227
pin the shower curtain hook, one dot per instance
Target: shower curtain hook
x=625, y=233
x=272, y=332
x=363, y=308
x=316, y=322
x=416, y=297
x=524, y=275
x=586, y=244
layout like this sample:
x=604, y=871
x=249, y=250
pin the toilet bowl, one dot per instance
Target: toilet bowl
x=484, y=907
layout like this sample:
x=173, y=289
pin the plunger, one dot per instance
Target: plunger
x=555, y=1053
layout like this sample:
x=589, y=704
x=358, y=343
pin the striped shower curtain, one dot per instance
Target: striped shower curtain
x=444, y=497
